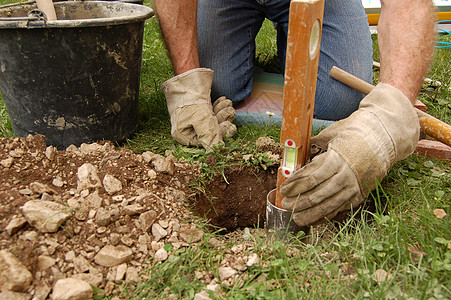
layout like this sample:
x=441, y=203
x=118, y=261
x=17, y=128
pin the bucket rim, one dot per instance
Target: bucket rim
x=139, y=13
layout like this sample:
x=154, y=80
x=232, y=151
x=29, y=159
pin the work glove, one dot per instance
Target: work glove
x=193, y=121
x=223, y=110
x=359, y=151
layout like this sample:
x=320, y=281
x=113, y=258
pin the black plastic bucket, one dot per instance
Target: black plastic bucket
x=74, y=80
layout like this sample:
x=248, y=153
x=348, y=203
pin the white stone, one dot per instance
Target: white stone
x=71, y=289
x=89, y=148
x=191, y=235
x=46, y=216
x=91, y=278
x=161, y=255
x=163, y=223
x=30, y=235
x=93, y=200
x=156, y=245
x=46, y=197
x=84, y=193
x=226, y=272
x=163, y=165
x=132, y=275
x=73, y=149
x=14, y=276
x=152, y=174
x=203, y=295
x=111, y=184
x=173, y=238
x=92, y=213
x=25, y=191
x=143, y=248
x=213, y=286
x=45, y=262
x=175, y=225
x=110, y=256
x=175, y=195
x=118, y=198
x=41, y=291
x=115, y=238
x=158, y=232
x=40, y=188
x=16, y=153
x=103, y=217
x=147, y=219
x=70, y=256
x=127, y=240
x=15, y=224
x=8, y=295
x=147, y=156
x=134, y=209
x=87, y=177
x=252, y=260
x=74, y=203
x=81, y=264
x=58, y=182
x=50, y=152
x=120, y=272
x=102, y=230
x=7, y=163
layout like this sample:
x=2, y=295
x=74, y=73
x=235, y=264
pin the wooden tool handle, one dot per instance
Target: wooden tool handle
x=351, y=80
x=436, y=129
x=431, y=126
x=47, y=7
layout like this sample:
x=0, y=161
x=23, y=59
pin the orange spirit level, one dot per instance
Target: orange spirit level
x=303, y=44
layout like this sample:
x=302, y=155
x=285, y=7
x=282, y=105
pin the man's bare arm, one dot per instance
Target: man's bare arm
x=406, y=38
x=178, y=24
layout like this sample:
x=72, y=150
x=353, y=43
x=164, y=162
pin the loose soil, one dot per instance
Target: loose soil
x=236, y=199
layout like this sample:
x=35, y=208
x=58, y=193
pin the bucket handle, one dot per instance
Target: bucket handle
x=35, y=18
x=33, y=15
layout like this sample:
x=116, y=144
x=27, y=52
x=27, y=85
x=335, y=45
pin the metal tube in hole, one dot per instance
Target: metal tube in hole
x=280, y=221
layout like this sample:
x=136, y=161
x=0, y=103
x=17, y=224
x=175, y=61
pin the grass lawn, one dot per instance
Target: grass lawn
x=399, y=249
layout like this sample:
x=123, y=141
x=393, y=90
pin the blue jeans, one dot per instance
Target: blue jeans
x=226, y=38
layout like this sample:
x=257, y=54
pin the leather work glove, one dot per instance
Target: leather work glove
x=223, y=110
x=193, y=121
x=360, y=150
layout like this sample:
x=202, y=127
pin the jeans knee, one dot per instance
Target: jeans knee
x=335, y=101
x=233, y=90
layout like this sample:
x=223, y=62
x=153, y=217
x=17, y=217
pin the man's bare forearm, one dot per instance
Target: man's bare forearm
x=178, y=24
x=406, y=38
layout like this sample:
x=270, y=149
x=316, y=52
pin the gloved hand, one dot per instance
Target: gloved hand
x=193, y=121
x=360, y=150
x=223, y=110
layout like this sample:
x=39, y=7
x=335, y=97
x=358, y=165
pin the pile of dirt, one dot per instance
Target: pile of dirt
x=97, y=214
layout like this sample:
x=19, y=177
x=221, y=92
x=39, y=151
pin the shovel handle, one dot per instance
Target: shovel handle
x=433, y=127
x=47, y=7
